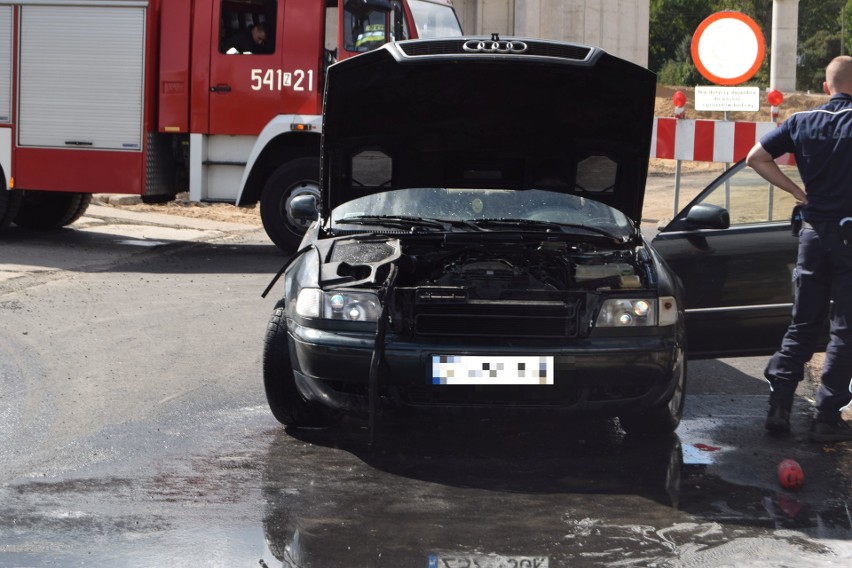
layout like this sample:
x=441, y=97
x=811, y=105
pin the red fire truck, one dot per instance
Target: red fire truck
x=220, y=98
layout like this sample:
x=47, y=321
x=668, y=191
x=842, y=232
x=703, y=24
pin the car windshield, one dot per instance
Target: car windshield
x=482, y=209
x=434, y=20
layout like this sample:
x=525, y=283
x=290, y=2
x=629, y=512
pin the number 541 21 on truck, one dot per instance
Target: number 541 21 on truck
x=220, y=98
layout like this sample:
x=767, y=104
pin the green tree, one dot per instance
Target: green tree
x=670, y=22
x=680, y=70
x=815, y=53
x=819, y=40
x=847, y=39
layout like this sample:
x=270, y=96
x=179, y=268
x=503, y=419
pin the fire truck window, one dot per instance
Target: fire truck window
x=434, y=20
x=364, y=26
x=247, y=26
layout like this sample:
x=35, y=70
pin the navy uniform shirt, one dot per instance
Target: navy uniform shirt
x=821, y=139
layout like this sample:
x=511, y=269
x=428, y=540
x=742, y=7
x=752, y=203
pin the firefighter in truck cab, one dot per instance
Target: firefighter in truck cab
x=368, y=25
x=248, y=40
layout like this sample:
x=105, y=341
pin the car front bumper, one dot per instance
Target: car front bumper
x=599, y=375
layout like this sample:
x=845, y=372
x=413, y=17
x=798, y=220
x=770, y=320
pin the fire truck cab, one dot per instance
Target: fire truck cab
x=220, y=98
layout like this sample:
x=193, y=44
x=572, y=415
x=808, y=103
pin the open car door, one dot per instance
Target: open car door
x=733, y=249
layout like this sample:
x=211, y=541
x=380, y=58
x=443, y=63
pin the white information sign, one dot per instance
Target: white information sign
x=745, y=99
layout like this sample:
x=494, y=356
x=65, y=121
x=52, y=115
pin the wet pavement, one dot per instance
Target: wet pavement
x=240, y=491
x=134, y=433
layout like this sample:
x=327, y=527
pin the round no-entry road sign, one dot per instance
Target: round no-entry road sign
x=728, y=48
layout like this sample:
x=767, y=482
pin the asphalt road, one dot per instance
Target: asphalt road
x=134, y=432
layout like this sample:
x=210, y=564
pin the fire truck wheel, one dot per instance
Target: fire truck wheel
x=10, y=203
x=298, y=177
x=286, y=402
x=51, y=209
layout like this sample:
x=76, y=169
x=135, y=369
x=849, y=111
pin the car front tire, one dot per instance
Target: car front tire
x=285, y=401
x=665, y=418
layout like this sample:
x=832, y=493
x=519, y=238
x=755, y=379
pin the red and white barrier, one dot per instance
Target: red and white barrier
x=706, y=140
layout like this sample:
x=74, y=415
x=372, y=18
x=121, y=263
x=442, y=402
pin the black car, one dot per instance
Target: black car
x=477, y=243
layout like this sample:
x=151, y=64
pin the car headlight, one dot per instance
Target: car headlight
x=338, y=305
x=637, y=312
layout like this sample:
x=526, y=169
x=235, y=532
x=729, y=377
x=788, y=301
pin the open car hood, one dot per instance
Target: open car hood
x=488, y=113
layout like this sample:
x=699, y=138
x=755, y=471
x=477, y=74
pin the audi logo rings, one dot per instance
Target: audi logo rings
x=492, y=46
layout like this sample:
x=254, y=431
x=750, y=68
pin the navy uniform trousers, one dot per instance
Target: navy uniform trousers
x=823, y=272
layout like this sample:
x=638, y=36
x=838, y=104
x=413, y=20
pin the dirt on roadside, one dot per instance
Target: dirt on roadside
x=183, y=207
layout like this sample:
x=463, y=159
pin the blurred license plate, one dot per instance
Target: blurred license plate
x=486, y=561
x=491, y=370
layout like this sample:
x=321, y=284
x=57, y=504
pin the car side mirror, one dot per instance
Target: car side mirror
x=707, y=216
x=304, y=208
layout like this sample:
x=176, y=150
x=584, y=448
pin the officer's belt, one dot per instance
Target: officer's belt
x=821, y=224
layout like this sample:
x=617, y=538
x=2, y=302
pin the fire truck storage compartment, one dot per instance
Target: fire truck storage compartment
x=92, y=57
x=5, y=64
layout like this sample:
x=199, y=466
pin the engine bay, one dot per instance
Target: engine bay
x=519, y=288
x=486, y=270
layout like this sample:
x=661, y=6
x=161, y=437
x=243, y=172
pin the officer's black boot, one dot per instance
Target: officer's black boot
x=780, y=405
x=828, y=430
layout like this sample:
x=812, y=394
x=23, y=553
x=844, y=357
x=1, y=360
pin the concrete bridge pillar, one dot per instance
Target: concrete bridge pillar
x=784, y=51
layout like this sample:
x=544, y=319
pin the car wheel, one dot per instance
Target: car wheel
x=51, y=209
x=10, y=203
x=663, y=419
x=299, y=177
x=656, y=465
x=286, y=402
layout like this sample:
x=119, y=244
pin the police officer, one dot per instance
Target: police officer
x=821, y=140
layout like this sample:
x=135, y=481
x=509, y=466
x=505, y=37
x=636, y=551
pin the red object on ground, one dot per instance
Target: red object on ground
x=790, y=474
